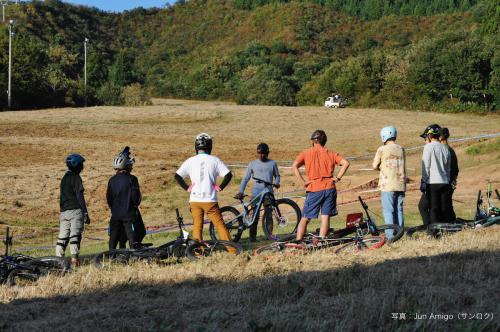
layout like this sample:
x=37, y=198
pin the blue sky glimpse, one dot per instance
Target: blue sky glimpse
x=120, y=5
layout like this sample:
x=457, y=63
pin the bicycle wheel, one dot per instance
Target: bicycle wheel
x=51, y=265
x=197, y=250
x=22, y=277
x=490, y=221
x=281, y=247
x=117, y=256
x=367, y=243
x=396, y=230
x=233, y=223
x=270, y=248
x=281, y=219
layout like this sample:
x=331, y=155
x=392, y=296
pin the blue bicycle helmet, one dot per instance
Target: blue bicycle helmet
x=387, y=133
x=74, y=161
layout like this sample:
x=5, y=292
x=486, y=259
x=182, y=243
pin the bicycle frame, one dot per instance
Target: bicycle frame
x=255, y=204
x=9, y=263
x=170, y=246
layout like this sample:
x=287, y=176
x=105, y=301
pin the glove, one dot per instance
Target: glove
x=423, y=186
x=453, y=185
x=277, y=185
x=86, y=219
x=239, y=196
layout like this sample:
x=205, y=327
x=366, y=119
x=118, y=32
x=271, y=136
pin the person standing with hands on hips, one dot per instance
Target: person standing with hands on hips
x=321, y=193
x=203, y=170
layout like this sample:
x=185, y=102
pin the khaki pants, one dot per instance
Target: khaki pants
x=212, y=210
x=70, y=231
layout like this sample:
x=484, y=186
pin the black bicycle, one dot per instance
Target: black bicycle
x=181, y=247
x=20, y=270
x=361, y=233
x=280, y=216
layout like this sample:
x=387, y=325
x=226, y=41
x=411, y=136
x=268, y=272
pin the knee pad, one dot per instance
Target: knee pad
x=62, y=242
x=76, y=239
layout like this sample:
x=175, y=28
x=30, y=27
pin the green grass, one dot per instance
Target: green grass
x=491, y=146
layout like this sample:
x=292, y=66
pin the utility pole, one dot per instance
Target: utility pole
x=3, y=3
x=85, y=69
x=9, y=91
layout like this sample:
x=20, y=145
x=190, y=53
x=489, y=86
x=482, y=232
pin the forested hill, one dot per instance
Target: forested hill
x=415, y=54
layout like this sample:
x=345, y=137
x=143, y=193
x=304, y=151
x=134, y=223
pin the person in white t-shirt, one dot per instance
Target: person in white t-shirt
x=203, y=170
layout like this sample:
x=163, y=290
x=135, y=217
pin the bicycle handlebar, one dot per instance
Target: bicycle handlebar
x=265, y=182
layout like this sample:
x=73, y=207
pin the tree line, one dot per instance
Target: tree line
x=258, y=52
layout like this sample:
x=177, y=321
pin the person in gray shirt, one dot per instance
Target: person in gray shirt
x=264, y=169
x=435, y=182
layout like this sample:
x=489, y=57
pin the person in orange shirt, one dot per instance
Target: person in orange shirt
x=320, y=186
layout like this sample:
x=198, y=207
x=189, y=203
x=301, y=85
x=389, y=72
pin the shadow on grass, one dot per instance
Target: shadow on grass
x=355, y=298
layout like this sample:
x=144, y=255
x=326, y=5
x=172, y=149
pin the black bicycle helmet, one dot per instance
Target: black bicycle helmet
x=263, y=148
x=203, y=142
x=445, y=133
x=433, y=130
x=319, y=136
x=75, y=162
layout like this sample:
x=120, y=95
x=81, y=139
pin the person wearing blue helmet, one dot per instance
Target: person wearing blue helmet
x=390, y=160
x=74, y=211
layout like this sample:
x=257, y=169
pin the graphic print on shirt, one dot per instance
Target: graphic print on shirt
x=202, y=177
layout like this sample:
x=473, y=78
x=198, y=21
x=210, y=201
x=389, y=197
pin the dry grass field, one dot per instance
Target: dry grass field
x=319, y=291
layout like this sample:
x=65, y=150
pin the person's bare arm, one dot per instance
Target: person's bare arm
x=344, y=165
x=297, y=173
x=376, y=161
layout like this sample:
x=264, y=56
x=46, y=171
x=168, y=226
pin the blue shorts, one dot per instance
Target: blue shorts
x=325, y=200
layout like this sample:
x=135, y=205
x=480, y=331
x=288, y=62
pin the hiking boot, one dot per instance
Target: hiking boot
x=253, y=239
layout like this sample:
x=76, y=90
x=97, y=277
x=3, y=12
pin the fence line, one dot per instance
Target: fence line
x=168, y=227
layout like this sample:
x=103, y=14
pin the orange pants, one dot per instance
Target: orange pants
x=198, y=210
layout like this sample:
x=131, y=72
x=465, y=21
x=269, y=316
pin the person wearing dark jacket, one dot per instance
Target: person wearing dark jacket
x=123, y=196
x=445, y=134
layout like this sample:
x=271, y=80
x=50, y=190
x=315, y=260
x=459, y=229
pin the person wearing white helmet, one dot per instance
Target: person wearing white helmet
x=203, y=170
x=123, y=196
x=390, y=160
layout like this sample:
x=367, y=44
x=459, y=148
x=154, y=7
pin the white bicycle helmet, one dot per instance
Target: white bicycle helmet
x=387, y=133
x=123, y=160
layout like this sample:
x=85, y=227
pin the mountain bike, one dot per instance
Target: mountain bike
x=182, y=246
x=280, y=216
x=487, y=214
x=366, y=235
x=21, y=270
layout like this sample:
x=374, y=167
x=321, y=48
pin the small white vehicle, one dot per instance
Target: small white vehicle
x=335, y=102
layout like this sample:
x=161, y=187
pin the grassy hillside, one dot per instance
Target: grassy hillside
x=261, y=52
